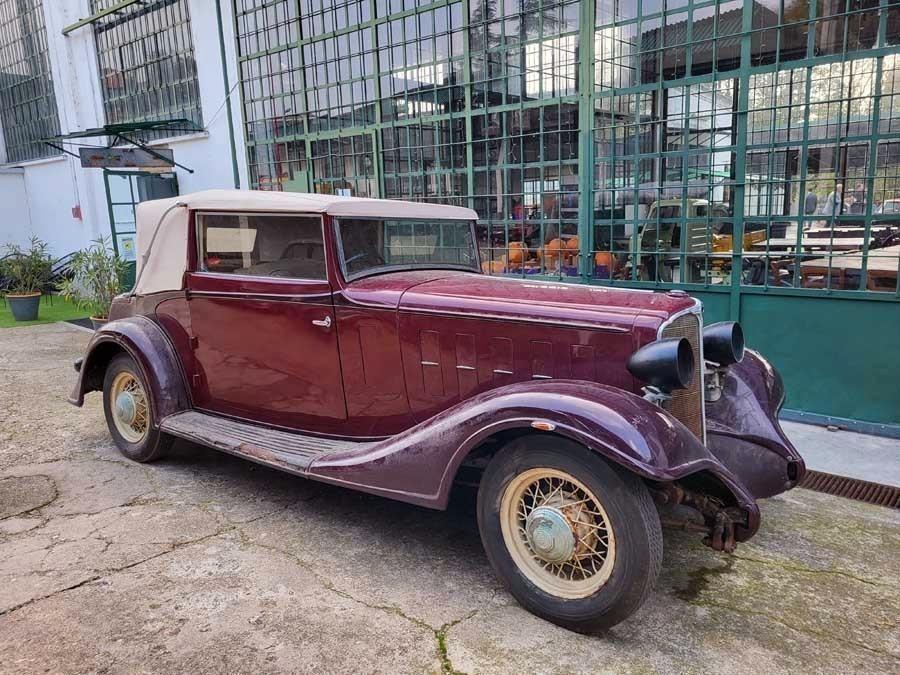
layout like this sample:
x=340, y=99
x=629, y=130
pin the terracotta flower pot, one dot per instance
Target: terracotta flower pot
x=603, y=258
x=604, y=265
x=98, y=321
x=518, y=253
x=24, y=307
x=493, y=267
x=552, y=253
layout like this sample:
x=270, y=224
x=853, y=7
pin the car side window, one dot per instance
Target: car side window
x=261, y=245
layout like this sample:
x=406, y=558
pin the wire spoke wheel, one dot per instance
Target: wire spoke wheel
x=557, y=532
x=131, y=411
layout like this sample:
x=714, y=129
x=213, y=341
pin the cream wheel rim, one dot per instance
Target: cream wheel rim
x=130, y=411
x=557, y=533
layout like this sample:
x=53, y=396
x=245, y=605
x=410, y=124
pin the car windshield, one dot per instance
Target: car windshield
x=371, y=245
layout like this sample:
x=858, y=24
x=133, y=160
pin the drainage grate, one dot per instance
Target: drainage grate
x=852, y=488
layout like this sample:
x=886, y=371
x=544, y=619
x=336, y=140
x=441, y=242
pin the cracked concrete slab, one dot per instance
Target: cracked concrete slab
x=205, y=563
x=214, y=606
x=759, y=610
x=21, y=494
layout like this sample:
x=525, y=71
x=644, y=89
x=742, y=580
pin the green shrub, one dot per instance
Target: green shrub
x=97, y=274
x=26, y=270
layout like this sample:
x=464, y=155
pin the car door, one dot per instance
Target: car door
x=262, y=321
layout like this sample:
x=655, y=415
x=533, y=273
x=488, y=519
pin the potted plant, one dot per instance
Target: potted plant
x=97, y=274
x=26, y=272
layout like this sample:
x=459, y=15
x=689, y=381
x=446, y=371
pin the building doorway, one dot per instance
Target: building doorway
x=124, y=190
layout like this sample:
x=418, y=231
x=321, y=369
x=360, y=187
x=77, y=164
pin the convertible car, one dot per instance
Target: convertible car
x=357, y=342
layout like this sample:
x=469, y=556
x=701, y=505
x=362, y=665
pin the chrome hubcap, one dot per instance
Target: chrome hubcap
x=126, y=410
x=557, y=532
x=549, y=534
x=129, y=407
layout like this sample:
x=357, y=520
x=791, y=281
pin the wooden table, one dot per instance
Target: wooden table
x=843, y=231
x=811, y=243
x=881, y=269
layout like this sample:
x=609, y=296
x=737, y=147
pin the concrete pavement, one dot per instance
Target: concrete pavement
x=845, y=453
x=204, y=563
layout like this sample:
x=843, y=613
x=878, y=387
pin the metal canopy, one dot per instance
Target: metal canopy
x=122, y=133
x=180, y=124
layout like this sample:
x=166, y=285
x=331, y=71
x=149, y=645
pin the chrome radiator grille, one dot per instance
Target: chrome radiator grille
x=687, y=404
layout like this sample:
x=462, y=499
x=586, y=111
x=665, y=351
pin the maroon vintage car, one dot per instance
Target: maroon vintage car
x=356, y=342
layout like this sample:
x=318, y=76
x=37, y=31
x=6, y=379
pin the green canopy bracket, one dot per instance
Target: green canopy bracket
x=93, y=18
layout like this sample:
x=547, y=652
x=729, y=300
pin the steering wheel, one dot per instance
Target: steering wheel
x=363, y=254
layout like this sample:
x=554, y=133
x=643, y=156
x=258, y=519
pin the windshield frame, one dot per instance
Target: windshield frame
x=387, y=269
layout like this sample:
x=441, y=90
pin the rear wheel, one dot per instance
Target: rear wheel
x=129, y=414
x=576, y=540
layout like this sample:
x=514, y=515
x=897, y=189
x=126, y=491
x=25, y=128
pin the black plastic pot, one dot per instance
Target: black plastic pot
x=24, y=307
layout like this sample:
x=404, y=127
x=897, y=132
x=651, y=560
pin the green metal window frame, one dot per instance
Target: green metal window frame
x=28, y=110
x=662, y=66
x=345, y=165
x=145, y=58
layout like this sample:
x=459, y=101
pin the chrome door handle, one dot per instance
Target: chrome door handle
x=324, y=323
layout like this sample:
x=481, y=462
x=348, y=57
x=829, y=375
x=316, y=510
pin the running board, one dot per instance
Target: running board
x=284, y=450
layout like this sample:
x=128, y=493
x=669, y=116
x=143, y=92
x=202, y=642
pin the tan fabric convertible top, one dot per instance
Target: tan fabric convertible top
x=165, y=267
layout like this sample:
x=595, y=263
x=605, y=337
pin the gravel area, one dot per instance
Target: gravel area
x=205, y=563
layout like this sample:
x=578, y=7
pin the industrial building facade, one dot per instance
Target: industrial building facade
x=656, y=144
x=74, y=68
x=746, y=152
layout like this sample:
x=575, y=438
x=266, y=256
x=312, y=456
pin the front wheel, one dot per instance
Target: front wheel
x=129, y=413
x=576, y=540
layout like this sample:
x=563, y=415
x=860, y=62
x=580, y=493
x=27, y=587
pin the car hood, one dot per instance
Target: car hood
x=479, y=295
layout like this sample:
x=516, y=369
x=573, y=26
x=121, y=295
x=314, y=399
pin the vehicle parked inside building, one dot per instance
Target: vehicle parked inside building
x=709, y=231
x=356, y=342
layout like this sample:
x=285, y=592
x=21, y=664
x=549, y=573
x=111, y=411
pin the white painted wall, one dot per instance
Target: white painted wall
x=15, y=218
x=38, y=197
x=216, y=170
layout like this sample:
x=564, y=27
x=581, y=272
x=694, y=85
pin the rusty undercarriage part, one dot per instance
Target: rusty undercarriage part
x=696, y=512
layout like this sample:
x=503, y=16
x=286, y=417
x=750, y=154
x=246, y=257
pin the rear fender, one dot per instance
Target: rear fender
x=419, y=465
x=148, y=345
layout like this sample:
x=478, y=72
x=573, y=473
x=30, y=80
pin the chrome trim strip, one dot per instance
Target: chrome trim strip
x=429, y=363
x=500, y=371
x=287, y=297
x=341, y=300
x=702, y=372
x=465, y=368
x=697, y=309
x=610, y=287
x=541, y=377
x=562, y=323
x=259, y=278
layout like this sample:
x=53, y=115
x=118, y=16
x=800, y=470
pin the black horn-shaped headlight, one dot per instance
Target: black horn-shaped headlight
x=723, y=343
x=665, y=364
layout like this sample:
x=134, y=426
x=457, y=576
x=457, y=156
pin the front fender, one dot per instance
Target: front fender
x=743, y=429
x=148, y=345
x=420, y=464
